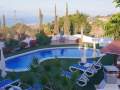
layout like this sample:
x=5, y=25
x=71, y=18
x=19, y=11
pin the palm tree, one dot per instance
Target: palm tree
x=71, y=28
x=80, y=21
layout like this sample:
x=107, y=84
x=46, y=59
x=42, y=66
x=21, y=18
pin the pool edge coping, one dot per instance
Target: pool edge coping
x=14, y=56
x=19, y=70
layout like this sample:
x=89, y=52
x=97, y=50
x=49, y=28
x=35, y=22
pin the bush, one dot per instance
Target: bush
x=43, y=39
x=23, y=45
x=7, y=50
x=27, y=78
x=11, y=43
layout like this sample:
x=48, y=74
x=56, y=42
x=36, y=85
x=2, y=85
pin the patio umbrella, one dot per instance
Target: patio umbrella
x=112, y=48
x=94, y=43
x=94, y=54
x=94, y=47
x=2, y=65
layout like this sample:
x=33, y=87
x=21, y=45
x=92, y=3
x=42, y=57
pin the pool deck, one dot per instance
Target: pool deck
x=57, y=42
x=111, y=86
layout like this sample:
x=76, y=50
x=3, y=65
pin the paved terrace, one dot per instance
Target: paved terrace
x=57, y=42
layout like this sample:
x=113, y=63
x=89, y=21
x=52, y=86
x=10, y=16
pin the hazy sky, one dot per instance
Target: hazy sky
x=30, y=7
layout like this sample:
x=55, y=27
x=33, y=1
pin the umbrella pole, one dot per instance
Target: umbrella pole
x=84, y=58
x=94, y=48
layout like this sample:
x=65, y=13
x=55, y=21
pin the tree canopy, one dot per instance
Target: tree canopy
x=112, y=27
x=42, y=38
x=117, y=3
x=78, y=20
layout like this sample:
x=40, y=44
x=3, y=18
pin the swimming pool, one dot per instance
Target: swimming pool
x=22, y=62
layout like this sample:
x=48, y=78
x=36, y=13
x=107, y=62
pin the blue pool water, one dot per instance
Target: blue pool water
x=23, y=62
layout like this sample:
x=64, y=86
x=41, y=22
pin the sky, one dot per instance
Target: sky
x=29, y=8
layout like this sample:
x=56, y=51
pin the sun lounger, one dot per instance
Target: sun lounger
x=66, y=74
x=92, y=69
x=6, y=83
x=88, y=63
x=77, y=67
x=92, y=63
x=82, y=80
x=98, y=66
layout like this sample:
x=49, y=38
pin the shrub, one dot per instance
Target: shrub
x=23, y=45
x=34, y=65
x=27, y=78
x=11, y=43
x=7, y=50
x=42, y=38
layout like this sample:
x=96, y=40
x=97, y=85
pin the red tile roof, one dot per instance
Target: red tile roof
x=113, y=48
